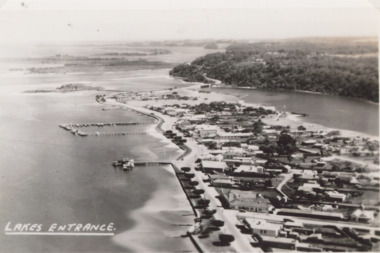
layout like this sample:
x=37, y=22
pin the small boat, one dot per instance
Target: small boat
x=300, y=114
x=82, y=134
x=125, y=163
x=129, y=165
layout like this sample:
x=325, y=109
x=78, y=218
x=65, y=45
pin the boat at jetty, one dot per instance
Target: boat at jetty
x=125, y=164
x=300, y=114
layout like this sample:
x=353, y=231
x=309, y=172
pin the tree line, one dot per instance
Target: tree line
x=327, y=67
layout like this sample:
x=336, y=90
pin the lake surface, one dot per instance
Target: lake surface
x=48, y=175
x=326, y=110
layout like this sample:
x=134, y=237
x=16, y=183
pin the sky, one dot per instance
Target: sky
x=28, y=21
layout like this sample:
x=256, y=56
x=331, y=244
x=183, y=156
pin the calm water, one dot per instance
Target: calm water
x=47, y=175
x=50, y=176
x=325, y=110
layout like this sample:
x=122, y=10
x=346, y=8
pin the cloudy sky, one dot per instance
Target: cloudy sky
x=133, y=20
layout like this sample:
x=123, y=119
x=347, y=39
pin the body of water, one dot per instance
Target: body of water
x=326, y=110
x=51, y=176
x=48, y=175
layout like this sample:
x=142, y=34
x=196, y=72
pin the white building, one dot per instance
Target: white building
x=309, y=142
x=360, y=215
x=246, y=200
x=253, y=147
x=309, y=187
x=336, y=195
x=262, y=227
x=211, y=166
x=249, y=169
x=243, y=137
x=206, y=130
x=171, y=111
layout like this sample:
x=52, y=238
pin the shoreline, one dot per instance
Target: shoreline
x=159, y=206
x=289, y=119
x=166, y=123
x=295, y=119
x=349, y=133
x=299, y=91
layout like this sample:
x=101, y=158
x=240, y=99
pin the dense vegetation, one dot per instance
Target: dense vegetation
x=181, y=43
x=96, y=64
x=342, y=66
x=141, y=52
x=190, y=73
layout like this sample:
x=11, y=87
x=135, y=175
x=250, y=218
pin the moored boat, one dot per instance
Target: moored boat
x=125, y=163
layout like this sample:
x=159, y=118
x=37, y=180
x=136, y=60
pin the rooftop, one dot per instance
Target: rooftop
x=246, y=168
x=213, y=164
x=235, y=134
x=262, y=224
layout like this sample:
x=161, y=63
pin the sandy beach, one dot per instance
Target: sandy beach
x=295, y=121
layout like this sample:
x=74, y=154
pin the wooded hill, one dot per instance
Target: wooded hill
x=339, y=66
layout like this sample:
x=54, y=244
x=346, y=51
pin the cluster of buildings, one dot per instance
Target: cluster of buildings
x=150, y=95
x=276, y=171
x=299, y=236
x=291, y=189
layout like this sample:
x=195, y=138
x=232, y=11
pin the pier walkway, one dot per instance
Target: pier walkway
x=153, y=163
x=119, y=134
x=73, y=128
x=109, y=124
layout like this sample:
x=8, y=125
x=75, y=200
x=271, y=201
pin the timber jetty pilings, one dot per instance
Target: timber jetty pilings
x=73, y=128
x=111, y=124
x=153, y=163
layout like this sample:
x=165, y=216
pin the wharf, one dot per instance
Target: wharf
x=118, y=134
x=110, y=124
x=73, y=128
x=153, y=163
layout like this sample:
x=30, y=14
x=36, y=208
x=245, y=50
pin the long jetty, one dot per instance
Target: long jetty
x=178, y=172
x=110, y=124
x=73, y=128
x=153, y=163
x=119, y=134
